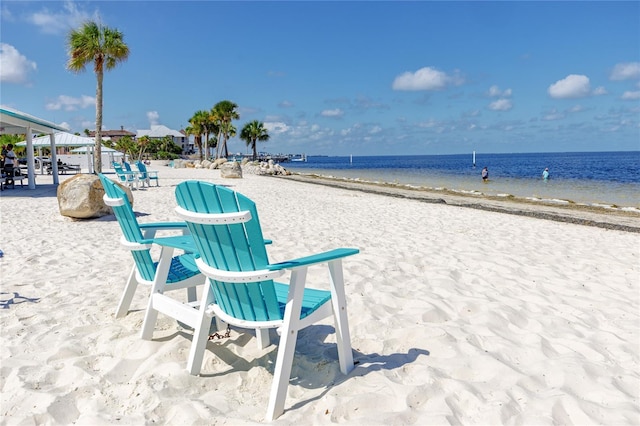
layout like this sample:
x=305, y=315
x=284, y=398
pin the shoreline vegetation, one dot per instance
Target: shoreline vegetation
x=603, y=216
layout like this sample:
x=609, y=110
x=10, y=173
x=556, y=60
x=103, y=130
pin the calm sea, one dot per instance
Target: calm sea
x=609, y=178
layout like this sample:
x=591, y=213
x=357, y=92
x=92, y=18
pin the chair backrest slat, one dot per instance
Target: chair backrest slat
x=142, y=169
x=231, y=247
x=129, y=226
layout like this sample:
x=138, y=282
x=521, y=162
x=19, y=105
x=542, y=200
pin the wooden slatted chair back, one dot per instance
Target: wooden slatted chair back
x=143, y=170
x=231, y=247
x=129, y=225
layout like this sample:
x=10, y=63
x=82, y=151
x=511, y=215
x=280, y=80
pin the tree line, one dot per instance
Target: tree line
x=216, y=125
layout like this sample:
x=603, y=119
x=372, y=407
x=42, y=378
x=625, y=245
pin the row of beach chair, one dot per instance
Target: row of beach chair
x=135, y=178
x=223, y=251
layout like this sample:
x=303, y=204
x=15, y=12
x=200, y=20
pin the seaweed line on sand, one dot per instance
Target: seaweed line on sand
x=580, y=214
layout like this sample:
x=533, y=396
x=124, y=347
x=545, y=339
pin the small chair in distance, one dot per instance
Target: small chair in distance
x=146, y=176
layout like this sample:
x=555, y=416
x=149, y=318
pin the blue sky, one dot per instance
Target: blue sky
x=339, y=78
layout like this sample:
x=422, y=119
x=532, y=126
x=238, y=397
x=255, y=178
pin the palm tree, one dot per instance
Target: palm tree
x=253, y=132
x=224, y=113
x=198, y=126
x=210, y=126
x=190, y=130
x=143, y=144
x=105, y=48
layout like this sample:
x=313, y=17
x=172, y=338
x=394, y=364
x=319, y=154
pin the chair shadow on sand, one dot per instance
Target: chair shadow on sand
x=15, y=299
x=311, y=349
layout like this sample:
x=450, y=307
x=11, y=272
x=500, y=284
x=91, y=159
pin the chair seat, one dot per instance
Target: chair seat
x=182, y=268
x=311, y=301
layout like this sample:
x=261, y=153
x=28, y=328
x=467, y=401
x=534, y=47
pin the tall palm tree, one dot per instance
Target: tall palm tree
x=198, y=123
x=224, y=113
x=190, y=130
x=105, y=48
x=210, y=126
x=253, y=132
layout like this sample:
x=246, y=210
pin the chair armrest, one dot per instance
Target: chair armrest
x=159, y=226
x=271, y=271
x=149, y=229
x=326, y=256
x=180, y=242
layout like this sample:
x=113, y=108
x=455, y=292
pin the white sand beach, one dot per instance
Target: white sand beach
x=457, y=316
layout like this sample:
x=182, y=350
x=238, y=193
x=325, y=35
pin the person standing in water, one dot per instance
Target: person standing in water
x=485, y=174
x=545, y=174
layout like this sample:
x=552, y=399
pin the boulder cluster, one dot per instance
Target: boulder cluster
x=233, y=169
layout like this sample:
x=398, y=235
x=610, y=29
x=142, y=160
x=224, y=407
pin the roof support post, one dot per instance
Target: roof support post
x=54, y=159
x=31, y=170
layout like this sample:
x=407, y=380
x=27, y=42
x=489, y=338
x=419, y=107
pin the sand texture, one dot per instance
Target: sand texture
x=457, y=315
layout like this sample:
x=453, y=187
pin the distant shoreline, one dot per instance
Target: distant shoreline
x=627, y=220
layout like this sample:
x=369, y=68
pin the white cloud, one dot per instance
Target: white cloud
x=572, y=86
x=276, y=127
x=332, y=113
x=495, y=92
x=61, y=21
x=429, y=124
x=285, y=104
x=69, y=103
x=501, y=105
x=153, y=117
x=65, y=125
x=600, y=90
x=426, y=78
x=554, y=115
x=14, y=67
x=626, y=71
x=631, y=96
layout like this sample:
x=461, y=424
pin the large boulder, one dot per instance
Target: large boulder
x=218, y=162
x=231, y=170
x=80, y=197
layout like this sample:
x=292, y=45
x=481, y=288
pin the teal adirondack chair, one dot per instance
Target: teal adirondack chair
x=242, y=292
x=170, y=273
x=125, y=177
x=146, y=176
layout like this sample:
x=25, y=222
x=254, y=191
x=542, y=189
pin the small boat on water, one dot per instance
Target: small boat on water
x=300, y=157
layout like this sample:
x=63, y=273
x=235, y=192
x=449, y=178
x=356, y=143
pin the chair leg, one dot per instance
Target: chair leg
x=192, y=294
x=287, y=345
x=127, y=295
x=200, y=333
x=339, y=303
x=159, y=284
x=262, y=336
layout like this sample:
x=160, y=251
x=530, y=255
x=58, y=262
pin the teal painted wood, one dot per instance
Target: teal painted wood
x=182, y=267
x=237, y=247
x=145, y=175
x=316, y=258
x=143, y=170
x=122, y=175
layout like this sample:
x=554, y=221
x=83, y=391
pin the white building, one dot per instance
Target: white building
x=159, y=131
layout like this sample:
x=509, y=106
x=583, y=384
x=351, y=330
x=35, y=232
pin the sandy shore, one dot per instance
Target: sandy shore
x=458, y=316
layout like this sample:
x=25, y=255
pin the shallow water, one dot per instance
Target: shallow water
x=586, y=178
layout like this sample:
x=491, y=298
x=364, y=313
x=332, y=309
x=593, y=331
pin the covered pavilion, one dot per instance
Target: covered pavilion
x=14, y=122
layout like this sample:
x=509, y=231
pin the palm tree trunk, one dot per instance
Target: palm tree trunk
x=218, y=147
x=206, y=146
x=97, y=151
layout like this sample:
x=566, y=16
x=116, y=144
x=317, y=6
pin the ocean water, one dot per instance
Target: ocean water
x=593, y=178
